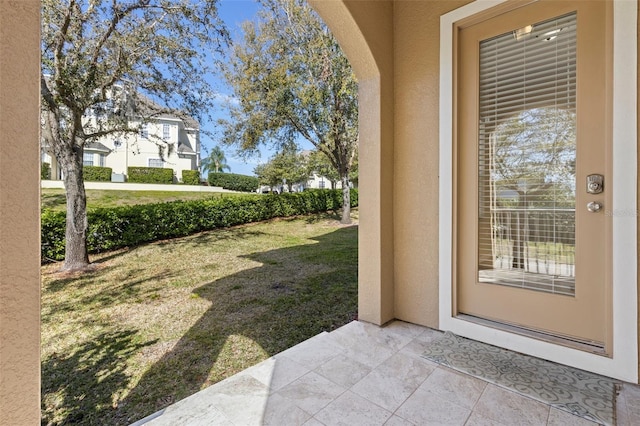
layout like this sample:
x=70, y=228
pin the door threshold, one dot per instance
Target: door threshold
x=596, y=348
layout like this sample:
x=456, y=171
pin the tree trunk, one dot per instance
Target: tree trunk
x=76, y=257
x=346, y=200
x=519, y=239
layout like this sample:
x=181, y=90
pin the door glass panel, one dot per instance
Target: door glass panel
x=527, y=157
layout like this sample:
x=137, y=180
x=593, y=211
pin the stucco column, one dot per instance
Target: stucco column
x=375, y=244
x=365, y=32
x=19, y=212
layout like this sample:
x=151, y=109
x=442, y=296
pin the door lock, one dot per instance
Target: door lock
x=594, y=207
x=595, y=184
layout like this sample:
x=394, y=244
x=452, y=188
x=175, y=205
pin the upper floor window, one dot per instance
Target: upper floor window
x=144, y=131
x=87, y=159
x=166, y=132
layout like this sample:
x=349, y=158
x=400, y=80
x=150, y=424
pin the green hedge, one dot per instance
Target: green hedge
x=116, y=227
x=45, y=171
x=96, y=173
x=234, y=182
x=150, y=175
x=191, y=177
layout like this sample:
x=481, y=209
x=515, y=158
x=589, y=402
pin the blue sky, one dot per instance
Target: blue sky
x=233, y=13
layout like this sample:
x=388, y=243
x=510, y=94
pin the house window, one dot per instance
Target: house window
x=102, y=158
x=156, y=162
x=87, y=159
x=144, y=131
x=321, y=184
x=166, y=132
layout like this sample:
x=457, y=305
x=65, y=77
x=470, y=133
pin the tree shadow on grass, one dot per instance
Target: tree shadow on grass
x=295, y=293
x=233, y=233
x=128, y=290
x=84, y=381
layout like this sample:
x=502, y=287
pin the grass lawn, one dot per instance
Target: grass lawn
x=54, y=199
x=156, y=323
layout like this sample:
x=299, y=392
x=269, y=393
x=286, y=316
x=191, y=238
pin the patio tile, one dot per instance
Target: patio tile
x=312, y=392
x=393, y=381
x=628, y=405
x=313, y=352
x=361, y=374
x=563, y=418
x=282, y=411
x=477, y=419
x=350, y=409
x=398, y=421
x=453, y=386
x=205, y=420
x=405, y=329
x=239, y=399
x=190, y=414
x=368, y=343
x=510, y=408
x=343, y=371
x=419, y=345
x=425, y=408
x=313, y=422
x=276, y=372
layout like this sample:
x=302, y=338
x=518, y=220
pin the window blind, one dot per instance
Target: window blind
x=527, y=157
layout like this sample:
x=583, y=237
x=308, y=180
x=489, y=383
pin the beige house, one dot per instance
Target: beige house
x=167, y=141
x=440, y=93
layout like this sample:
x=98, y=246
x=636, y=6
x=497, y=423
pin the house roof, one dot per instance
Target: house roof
x=185, y=149
x=96, y=146
x=146, y=105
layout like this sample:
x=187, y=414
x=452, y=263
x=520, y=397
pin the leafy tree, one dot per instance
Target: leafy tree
x=533, y=160
x=215, y=162
x=107, y=67
x=293, y=81
x=284, y=168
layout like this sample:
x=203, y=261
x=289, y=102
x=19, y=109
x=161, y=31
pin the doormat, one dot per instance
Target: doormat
x=578, y=392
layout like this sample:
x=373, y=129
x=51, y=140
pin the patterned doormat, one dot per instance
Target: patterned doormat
x=579, y=392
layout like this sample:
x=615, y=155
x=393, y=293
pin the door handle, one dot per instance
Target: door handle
x=594, y=206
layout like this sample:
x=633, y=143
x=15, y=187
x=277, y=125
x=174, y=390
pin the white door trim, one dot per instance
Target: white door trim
x=624, y=363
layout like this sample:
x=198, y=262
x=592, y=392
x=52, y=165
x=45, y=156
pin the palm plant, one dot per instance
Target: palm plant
x=215, y=162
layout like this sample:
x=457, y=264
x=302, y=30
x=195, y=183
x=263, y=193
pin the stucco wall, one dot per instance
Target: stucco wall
x=416, y=50
x=398, y=260
x=19, y=213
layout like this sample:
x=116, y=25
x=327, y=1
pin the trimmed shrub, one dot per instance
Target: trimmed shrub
x=52, y=230
x=97, y=173
x=45, y=171
x=150, y=175
x=191, y=177
x=234, y=182
x=116, y=227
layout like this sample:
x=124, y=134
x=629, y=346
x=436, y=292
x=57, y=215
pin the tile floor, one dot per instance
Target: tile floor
x=362, y=374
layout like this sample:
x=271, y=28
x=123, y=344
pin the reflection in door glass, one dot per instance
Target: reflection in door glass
x=527, y=157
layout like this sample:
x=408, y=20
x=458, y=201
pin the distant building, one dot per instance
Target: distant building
x=166, y=141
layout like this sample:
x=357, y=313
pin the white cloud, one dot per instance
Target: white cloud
x=226, y=99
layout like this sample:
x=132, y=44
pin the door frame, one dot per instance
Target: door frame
x=624, y=361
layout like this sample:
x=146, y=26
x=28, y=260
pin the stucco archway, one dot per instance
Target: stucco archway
x=365, y=33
